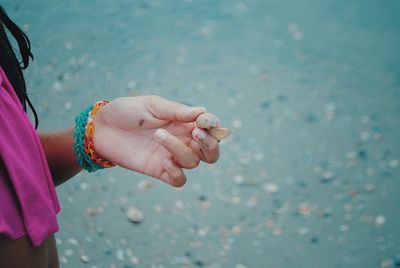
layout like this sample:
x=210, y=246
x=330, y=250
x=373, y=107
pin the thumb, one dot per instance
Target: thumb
x=169, y=110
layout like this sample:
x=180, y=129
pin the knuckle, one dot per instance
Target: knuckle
x=153, y=98
x=158, y=98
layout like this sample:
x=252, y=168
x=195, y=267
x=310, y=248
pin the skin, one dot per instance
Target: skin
x=146, y=134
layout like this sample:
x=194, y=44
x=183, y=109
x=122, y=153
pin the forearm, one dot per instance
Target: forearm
x=60, y=155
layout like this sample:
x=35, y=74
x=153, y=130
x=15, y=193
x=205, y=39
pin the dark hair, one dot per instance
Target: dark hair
x=9, y=61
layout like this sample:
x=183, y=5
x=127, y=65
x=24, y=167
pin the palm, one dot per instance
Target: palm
x=142, y=152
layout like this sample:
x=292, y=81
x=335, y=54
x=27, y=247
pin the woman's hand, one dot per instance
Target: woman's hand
x=153, y=136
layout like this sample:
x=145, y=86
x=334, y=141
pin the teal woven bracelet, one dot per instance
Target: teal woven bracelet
x=79, y=136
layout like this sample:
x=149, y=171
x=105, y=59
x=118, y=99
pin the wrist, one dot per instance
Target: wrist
x=84, y=148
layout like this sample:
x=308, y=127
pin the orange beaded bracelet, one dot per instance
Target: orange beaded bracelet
x=89, y=134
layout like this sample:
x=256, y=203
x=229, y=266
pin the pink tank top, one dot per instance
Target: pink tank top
x=28, y=200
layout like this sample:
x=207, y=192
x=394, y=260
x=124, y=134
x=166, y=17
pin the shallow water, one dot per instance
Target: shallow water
x=310, y=176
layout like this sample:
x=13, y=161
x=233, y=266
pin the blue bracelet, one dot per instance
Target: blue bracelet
x=79, y=137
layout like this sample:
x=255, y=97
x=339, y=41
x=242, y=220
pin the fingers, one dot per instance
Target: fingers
x=205, y=145
x=183, y=155
x=173, y=174
x=170, y=110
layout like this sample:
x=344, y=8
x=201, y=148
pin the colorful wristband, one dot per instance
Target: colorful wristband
x=83, y=140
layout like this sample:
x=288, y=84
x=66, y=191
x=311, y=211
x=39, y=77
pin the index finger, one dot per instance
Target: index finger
x=169, y=110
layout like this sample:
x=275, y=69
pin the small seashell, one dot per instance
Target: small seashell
x=219, y=133
x=380, y=220
x=236, y=229
x=207, y=121
x=134, y=215
x=271, y=188
x=85, y=258
x=211, y=123
x=91, y=211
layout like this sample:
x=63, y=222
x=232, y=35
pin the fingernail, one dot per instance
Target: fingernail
x=166, y=163
x=199, y=134
x=161, y=133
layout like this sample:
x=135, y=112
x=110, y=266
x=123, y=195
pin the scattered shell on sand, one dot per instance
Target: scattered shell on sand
x=134, y=215
x=271, y=188
x=91, y=211
x=85, y=258
x=236, y=229
x=211, y=123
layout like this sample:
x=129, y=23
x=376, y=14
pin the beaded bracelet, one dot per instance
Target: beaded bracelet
x=83, y=140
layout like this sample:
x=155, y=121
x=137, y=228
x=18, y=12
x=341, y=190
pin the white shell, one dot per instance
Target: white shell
x=210, y=123
x=207, y=120
x=219, y=133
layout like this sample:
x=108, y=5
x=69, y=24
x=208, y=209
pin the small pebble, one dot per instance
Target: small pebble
x=380, y=220
x=364, y=136
x=344, y=228
x=202, y=231
x=236, y=199
x=57, y=86
x=179, y=204
x=303, y=231
x=327, y=212
x=131, y=84
x=120, y=254
x=327, y=176
x=84, y=186
x=271, y=188
x=292, y=27
x=63, y=260
x=73, y=241
x=237, y=123
x=386, y=263
x=134, y=215
x=393, y=163
x=258, y=156
x=205, y=205
x=236, y=229
x=198, y=263
x=90, y=211
x=252, y=202
x=68, y=105
x=202, y=198
x=298, y=35
x=314, y=240
x=238, y=178
x=265, y=104
x=369, y=187
x=69, y=252
x=85, y=258
x=134, y=260
x=205, y=31
x=145, y=185
x=277, y=232
x=305, y=208
x=158, y=208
